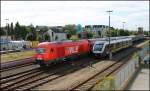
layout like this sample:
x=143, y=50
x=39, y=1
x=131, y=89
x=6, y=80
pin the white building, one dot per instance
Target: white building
x=55, y=33
x=100, y=30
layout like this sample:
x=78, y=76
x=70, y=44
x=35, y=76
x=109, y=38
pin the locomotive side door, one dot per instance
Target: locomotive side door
x=60, y=51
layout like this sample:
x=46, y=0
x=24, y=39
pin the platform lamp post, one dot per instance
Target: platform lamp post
x=7, y=33
x=136, y=29
x=110, y=53
x=123, y=24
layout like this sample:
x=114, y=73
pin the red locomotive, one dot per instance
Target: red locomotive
x=48, y=52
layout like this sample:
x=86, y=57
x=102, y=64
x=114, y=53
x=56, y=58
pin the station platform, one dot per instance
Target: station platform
x=141, y=80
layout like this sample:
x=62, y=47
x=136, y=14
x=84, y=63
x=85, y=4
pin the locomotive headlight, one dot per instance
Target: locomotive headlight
x=39, y=58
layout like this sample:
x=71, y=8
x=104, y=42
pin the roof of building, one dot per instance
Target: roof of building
x=57, y=30
x=41, y=27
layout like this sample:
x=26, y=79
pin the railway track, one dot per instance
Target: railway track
x=13, y=51
x=16, y=64
x=91, y=81
x=17, y=74
x=24, y=82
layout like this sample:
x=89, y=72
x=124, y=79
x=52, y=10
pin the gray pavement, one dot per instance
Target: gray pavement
x=141, y=81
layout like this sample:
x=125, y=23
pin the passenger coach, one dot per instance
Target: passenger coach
x=101, y=48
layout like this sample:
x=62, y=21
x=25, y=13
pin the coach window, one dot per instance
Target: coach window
x=124, y=43
x=119, y=45
x=111, y=46
x=114, y=46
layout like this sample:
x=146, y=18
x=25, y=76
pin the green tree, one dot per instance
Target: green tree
x=113, y=33
x=2, y=31
x=8, y=30
x=47, y=37
x=124, y=32
x=32, y=32
x=90, y=34
x=99, y=33
x=70, y=29
x=40, y=33
x=133, y=32
x=12, y=31
x=23, y=32
x=146, y=33
x=17, y=30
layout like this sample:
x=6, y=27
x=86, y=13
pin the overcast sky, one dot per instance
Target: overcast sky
x=54, y=13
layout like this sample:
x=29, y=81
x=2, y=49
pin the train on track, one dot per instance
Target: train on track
x=101, y=48
x=49, y=52
x=14, y=45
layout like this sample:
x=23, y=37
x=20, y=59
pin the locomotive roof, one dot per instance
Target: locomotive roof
x=60, y=42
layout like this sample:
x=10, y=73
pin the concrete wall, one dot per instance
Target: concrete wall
x=123, y=76
x=118, y=80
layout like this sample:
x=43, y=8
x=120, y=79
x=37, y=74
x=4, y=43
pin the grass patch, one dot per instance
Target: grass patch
x=146, y=43
x=16, y=56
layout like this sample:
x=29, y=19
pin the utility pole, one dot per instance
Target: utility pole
x=110, y=53
x=7, y=34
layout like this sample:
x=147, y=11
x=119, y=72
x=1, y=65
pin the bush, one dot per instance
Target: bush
x=74, y=38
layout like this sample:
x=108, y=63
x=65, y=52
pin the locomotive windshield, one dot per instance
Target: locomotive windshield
x=98, y=47
x=40, y=50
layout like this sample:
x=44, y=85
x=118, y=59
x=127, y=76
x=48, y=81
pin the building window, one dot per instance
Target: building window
x=52, y=34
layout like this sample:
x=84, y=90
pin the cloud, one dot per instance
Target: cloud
x=75, y=12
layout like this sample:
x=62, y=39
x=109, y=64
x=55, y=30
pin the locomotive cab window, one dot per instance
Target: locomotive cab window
x=98, y=47
x=40, y=50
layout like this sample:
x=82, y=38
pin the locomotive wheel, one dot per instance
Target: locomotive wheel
x=43, y=65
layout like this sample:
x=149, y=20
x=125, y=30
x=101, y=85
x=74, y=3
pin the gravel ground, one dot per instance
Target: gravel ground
x=18, y=70
x=64, y=82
